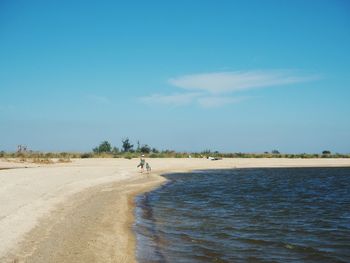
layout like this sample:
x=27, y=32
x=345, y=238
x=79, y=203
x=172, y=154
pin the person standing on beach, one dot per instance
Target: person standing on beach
x=142, y=163
x=148, y=168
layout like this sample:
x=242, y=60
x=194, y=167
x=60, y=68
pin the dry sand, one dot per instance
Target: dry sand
x=83, y=211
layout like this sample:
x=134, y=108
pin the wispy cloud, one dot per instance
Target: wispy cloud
x=180, y=99
x=223, y=82
x=217, y=88
x=173, y=99
x=213, y=102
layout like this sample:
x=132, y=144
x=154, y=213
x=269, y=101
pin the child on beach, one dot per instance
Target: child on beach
x=148, y=167
x=142, y=163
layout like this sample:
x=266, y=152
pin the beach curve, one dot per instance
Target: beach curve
x=83, y=211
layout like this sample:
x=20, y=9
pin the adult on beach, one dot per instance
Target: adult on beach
x=142, y=163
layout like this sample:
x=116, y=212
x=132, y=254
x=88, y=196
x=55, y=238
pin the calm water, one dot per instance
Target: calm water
x=247, y=215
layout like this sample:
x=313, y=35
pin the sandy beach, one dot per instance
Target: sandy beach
x=82, y=211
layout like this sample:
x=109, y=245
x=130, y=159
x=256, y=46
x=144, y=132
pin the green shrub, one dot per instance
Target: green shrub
x=86, y=155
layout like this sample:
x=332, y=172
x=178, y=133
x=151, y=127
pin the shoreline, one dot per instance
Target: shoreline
x=100, y=230
x=89, y=217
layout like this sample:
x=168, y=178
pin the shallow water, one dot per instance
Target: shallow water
x=257, y=215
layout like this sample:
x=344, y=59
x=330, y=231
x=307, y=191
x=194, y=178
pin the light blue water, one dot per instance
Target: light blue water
x=247, y=215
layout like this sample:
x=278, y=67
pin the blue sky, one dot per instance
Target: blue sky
x=248, y=76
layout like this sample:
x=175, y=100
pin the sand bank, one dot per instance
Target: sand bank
x=83, y=211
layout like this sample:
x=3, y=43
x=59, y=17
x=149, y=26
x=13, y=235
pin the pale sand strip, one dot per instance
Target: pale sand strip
x=83, y=211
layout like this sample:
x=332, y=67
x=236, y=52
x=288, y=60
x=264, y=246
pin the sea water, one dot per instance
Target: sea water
x=247, y=215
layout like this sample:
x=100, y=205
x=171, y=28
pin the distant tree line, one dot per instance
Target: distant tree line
x=127, y=150
x=127, y=147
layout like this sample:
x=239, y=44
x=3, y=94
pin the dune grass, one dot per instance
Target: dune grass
x=65, y=157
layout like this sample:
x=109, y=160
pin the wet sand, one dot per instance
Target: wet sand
x=83, y=211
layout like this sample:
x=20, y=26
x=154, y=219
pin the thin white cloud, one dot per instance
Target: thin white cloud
x=172, y=99
x=180, y=99
x=224, y=82
x=215, y=89
x=214, y=102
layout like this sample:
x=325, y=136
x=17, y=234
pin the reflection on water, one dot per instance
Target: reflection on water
x=259, y=215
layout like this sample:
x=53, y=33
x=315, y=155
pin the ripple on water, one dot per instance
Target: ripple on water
x=263, y=215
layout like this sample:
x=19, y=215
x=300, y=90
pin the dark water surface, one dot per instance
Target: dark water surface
x=247, y=215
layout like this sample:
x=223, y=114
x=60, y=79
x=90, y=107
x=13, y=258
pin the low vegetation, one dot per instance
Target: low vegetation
x=106, y=150
x=33, y=158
